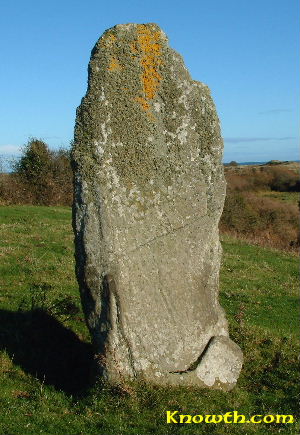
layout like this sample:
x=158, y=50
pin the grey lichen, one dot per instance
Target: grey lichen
x=149, y=192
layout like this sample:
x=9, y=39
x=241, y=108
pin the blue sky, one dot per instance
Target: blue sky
x=245, y=51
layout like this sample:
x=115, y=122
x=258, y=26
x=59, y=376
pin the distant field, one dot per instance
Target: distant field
x=241, y=167
x=262, y=204
x=292, y=197
x=46, y=356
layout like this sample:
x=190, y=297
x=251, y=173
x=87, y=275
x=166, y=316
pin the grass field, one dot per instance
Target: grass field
x=289, y=197
x=46, y=355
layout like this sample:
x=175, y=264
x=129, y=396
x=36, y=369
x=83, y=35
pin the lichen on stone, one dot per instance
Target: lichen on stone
x=149, y=192
x=114, y=65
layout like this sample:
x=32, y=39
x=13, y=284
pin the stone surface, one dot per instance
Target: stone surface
x=221, y=364
x=149, y=192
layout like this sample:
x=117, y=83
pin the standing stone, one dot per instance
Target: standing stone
x=149, y=192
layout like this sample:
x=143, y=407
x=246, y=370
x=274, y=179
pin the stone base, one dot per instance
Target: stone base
x=218, y=368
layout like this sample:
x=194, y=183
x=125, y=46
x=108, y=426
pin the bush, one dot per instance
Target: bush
x=62, y=176
x=284, y=180
x=40, y=177
x=12, y=191
x=265, y=221
x=238, y=215
x=35, y=162
x=34, y=170
x=274, y=178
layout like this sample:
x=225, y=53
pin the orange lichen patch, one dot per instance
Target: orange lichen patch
x=114, y=65
x=146, y=106
x=148, y=42
x=143, y=102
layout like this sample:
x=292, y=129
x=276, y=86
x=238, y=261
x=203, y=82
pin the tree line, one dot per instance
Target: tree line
x=44, y=177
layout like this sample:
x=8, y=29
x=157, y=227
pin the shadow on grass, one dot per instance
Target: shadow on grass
x=46, y=349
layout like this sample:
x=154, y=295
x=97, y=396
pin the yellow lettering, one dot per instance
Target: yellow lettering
x=269, y=418
x=238, y=418
x=229, y=417
x=213, y=418
x=183, y=416
x=282, y=418
x=226, y=416
x=170, y=417
x=198, y=418
x=252, y=419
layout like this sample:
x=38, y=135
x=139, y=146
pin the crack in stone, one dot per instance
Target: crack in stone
x=165, y=234
x=195, y=364
x=112, y=289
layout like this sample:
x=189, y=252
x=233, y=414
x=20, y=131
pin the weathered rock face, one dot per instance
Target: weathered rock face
x=149, y=192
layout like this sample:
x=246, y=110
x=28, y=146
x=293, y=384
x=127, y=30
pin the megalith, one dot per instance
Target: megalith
x=148, y=195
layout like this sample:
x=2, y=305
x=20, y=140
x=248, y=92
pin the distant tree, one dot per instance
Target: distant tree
x=62, y=175
x=45, y=175
x=274, y=162
x=284, y=180
x=35, y=161
x=232, y=163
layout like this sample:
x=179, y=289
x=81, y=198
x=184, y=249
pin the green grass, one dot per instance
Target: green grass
x=45, y=355
x=262, y=284
x=292, y=197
